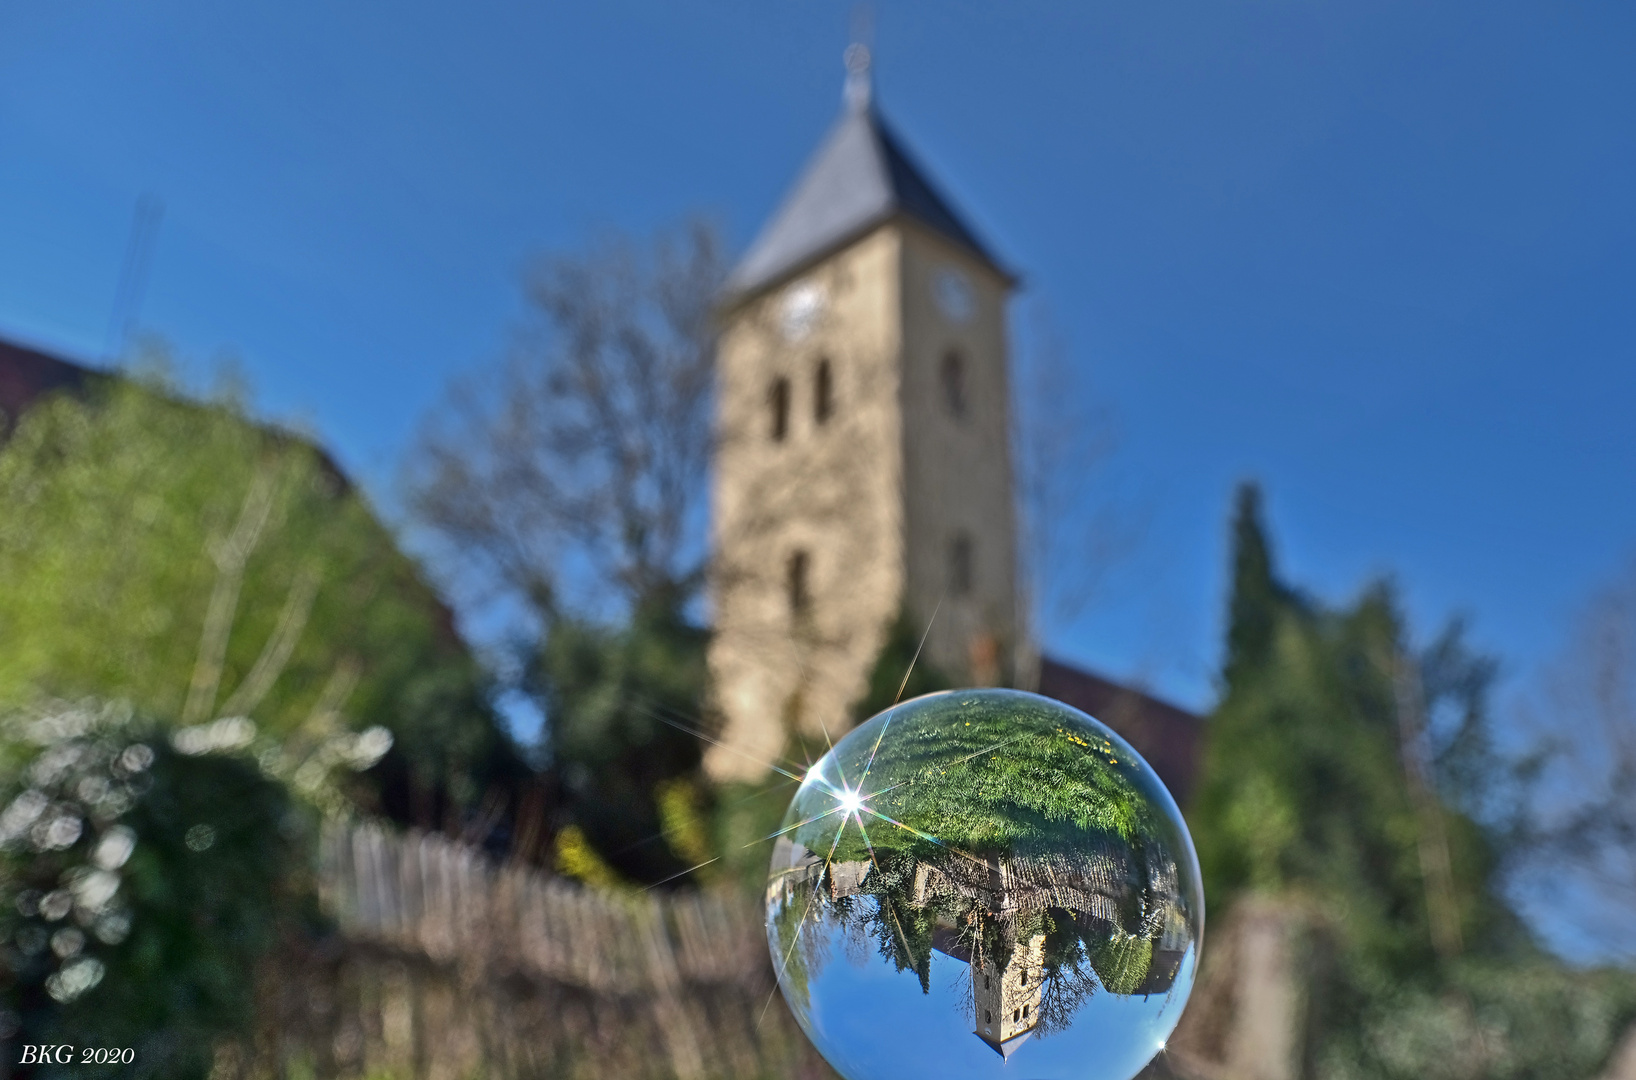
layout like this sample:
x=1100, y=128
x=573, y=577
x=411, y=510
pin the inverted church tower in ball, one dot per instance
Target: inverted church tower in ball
x=863, y=470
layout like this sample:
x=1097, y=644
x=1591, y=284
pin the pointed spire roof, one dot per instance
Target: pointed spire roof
x=1009, y=1047
x=860, y=177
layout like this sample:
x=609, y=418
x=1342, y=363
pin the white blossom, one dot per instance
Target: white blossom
x=368, y=747
x=22, y=813
x=67, y=942
x=112, y=927
x=135, y=758
x=68, y=723
x=93, y=889
x=76, y=977
x=58, y=832
x=55, y=904
x=114, y=848
x=228, y=733
x=50, y=766
x=92, y=789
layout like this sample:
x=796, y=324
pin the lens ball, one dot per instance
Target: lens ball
x=984, y=883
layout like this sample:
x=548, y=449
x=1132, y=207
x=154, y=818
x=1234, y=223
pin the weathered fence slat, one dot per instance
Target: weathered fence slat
x=449, y=965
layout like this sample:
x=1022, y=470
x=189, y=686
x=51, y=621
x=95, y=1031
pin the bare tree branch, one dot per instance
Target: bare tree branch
x=581, y=463
x=1590, y=792
x=275, y=654
x=230, y=555
x=1070, y=530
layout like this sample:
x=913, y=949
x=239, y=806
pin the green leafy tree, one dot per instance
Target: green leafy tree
x=1353, y=776
x=179, y=556
x=619, y=701
x=1305, y=786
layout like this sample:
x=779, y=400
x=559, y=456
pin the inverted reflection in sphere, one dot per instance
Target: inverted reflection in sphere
x=984, y=883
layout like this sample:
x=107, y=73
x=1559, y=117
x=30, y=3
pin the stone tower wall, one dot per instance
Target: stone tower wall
x=957, y=466
x=876, y=496
x=832, y=490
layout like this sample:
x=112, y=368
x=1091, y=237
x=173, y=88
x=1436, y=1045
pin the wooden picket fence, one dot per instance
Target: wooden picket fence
x=450, y=965
x=451, y=902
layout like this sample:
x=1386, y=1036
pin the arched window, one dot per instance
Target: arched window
x=823, y=391
x=796, y=572
x=954, y=383
x=779, y=399
x=960, y=564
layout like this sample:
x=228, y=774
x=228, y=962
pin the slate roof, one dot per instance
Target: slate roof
x=1009, y=1047
x=860, y=177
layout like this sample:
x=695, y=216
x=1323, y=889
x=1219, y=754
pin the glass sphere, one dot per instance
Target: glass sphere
x=984, y=883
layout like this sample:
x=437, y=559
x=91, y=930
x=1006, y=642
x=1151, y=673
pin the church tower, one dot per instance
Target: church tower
x=863, y=466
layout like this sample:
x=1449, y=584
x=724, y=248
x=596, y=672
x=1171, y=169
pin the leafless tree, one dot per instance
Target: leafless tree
x=1071, y=527
x=576, y=470
x=1589, y=795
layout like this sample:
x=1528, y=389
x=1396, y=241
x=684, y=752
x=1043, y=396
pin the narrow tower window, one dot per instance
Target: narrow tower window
x=954, y=383
x=779, y=399
x=960, y=569
x=800, y=594
x=823, y=392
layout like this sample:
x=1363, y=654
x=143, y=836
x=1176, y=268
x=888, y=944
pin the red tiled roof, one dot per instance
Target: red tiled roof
x=27, y=375
x=1168, y=737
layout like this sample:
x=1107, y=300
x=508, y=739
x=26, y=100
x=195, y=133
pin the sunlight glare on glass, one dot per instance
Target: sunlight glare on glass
x=849, y=801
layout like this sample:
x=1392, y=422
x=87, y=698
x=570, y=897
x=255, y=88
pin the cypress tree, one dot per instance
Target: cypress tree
x=1256, y=595
x=1304, y=797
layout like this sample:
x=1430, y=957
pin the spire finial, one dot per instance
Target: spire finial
x=859, y=82
x=857, y=76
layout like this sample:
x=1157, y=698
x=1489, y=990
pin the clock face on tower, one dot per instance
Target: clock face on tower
x=801, y=307
x=953, y=292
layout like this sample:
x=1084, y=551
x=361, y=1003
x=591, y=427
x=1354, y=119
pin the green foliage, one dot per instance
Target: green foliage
x=1502, y=1019
x=140, y=888
x=1121, y=961
x=899, y=656
x=940, y=774
x=746, y=815
x=1304, y=786
x=181, y=557
x=1308, y=793
x=612, y=698
x=1258, y=598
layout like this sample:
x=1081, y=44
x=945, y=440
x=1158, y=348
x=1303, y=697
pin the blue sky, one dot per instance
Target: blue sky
x=877, y=1023
x=1378, y=256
